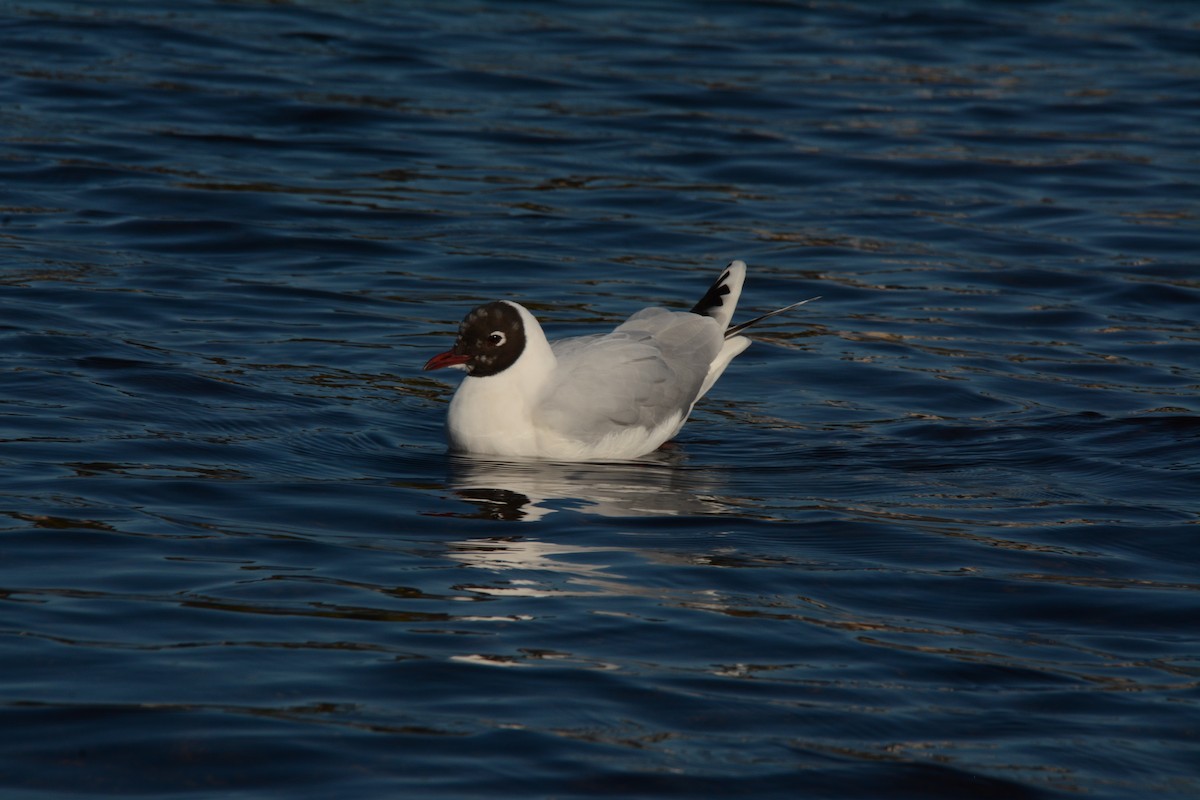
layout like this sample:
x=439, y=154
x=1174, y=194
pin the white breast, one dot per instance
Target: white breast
x=493, y=416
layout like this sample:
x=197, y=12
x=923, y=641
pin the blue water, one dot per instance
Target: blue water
x=933, y=536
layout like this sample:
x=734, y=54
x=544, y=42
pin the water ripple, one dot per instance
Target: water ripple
x=931, y=537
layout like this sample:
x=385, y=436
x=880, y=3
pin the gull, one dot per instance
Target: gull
x=605, y=397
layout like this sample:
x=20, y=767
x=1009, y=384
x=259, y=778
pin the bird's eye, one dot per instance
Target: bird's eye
x=496, y=338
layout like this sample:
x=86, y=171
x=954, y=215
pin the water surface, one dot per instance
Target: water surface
x=934, y=535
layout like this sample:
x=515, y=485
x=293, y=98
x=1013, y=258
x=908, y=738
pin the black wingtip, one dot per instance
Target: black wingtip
x=714, y=298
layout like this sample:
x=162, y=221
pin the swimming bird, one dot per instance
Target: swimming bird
x=606, y=397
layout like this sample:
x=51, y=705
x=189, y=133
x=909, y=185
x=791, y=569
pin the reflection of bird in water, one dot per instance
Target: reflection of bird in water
x=657, y=485
x=501, y=553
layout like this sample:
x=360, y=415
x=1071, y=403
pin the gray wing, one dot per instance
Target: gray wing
x=648, y=369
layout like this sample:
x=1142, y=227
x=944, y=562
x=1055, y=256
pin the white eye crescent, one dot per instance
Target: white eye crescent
x=496, y=338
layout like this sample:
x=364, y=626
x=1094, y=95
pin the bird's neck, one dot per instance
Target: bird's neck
x=495, y=414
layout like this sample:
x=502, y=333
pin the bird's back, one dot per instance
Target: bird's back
x=646, y=375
